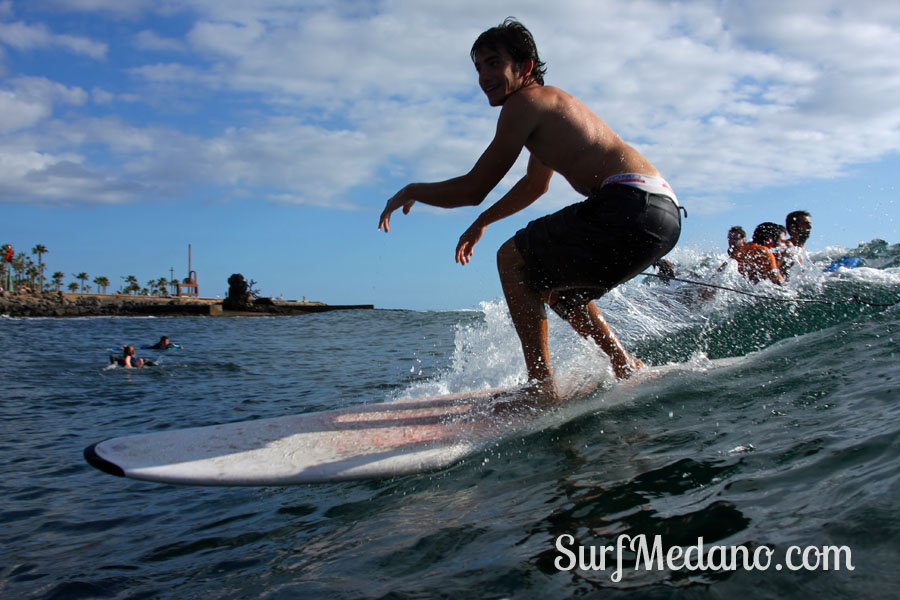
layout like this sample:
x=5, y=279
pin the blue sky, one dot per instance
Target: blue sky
x=269, y=134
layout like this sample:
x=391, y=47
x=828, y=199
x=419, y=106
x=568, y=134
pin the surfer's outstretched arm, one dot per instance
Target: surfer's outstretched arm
x=516, y=123
x=532, y=186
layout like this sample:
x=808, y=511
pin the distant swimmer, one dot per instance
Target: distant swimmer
x=129, y=360
x=162, y=344
x=756, y=261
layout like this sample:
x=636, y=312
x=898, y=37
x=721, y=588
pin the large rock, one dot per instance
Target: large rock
x=238, y=294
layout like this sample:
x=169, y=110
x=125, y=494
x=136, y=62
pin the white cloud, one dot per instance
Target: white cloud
x=102, y=96
x=745, y=96
x=60, y=179
x=117, y=8
x=283, y=160
x=311, y=165
x=29, y=100
x=322, y=98
x=170, y=73
x=29, y=37
x=15, y=113
x=152, y=41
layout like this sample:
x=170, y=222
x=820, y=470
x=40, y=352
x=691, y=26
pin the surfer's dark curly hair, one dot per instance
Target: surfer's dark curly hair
x=765, y=232
x=515, y=38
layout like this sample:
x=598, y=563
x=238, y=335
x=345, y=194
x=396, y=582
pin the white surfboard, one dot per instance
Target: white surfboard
x=369, y=441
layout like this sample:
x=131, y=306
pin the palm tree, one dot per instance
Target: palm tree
x=132, y=286
x=57, y=279
x=102, y=283
x=18, y=265
x=29, y=271
x=32, y=272
x=161, y=285
x=40, y=250
x=73, y=287
x=3, y=268
x=83, y=277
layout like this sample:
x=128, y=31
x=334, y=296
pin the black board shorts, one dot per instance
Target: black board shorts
x=590, y=247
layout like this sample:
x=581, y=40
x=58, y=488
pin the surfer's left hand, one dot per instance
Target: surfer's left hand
x=398, y=200
x=466, y=246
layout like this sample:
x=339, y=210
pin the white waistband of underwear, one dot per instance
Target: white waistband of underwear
x=646, y=183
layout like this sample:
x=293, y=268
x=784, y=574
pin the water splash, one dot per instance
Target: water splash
x=662, y=324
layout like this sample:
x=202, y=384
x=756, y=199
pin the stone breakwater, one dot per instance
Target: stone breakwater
x=53, y=304
x=58, y=304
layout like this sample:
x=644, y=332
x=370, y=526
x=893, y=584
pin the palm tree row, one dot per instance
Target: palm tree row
x=21, y=272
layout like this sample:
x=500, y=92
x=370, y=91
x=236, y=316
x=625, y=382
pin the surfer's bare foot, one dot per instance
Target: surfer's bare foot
x=628, y=368
x=534, y=395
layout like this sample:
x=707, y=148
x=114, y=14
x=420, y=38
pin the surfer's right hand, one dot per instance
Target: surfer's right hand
x=397, y=200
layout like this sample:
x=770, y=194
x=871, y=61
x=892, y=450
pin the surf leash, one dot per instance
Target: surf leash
x=666, y=278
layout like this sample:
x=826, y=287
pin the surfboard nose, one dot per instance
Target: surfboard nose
x=98, y=462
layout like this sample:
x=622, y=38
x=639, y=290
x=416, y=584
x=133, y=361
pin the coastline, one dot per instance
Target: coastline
x=61, y=304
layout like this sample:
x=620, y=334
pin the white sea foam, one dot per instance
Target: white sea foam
x=487, y=353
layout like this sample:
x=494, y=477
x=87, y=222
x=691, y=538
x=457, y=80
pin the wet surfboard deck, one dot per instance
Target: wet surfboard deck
x=376, y=440
x=368, y=441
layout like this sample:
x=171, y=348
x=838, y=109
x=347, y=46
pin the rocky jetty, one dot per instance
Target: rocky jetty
x=59, y=304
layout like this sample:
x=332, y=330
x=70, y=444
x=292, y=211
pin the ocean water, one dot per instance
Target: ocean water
x=777, y=429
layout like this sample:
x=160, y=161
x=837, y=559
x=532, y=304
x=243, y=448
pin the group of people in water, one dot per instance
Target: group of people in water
x=130, y=360
x=772, y=250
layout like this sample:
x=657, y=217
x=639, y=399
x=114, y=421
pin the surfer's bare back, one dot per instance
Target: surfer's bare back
x=629, y=220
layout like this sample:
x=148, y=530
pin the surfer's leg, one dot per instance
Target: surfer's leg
x=589, y=322
x=526, y=308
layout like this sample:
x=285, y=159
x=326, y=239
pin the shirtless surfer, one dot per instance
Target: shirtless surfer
x=629, y=220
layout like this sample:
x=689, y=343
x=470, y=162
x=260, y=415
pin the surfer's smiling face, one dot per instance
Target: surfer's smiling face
x=498, y=76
